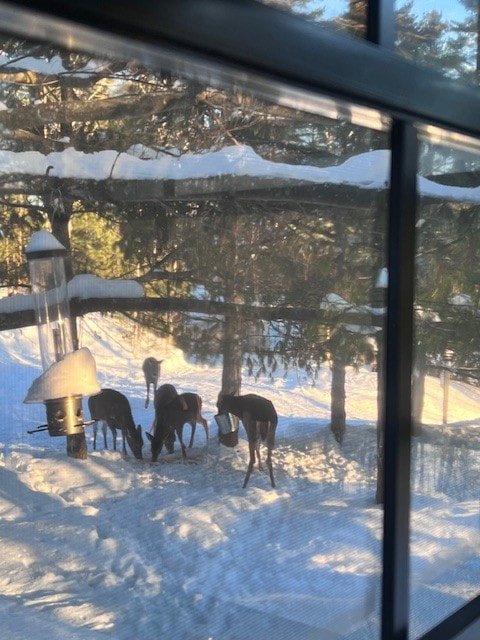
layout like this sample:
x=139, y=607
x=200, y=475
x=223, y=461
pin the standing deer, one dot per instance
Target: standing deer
x=151, y=371
x=114, y=408
x=260, y=420
x=170, y=418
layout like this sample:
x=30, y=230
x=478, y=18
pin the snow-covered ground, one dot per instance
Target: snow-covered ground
x=121, y=548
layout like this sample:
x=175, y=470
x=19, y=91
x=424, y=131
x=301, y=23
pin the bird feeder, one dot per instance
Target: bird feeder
x=46, y=259
x=226, y=422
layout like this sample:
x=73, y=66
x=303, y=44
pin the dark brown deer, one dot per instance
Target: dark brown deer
x=151, y=371
x=260, y=420
x=170, y=418
x=114, y=408
x=164, y=394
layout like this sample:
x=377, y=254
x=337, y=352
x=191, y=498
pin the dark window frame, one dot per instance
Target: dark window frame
x=248, y=36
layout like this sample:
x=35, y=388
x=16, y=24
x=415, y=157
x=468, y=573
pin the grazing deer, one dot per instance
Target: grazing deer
x=170, y=418
x=151, y=371
x=114, y=408
x=260, y=420
x=164, y=394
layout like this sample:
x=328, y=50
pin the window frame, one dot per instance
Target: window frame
x=247, y=36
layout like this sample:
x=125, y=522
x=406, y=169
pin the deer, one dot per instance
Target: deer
x=114, y=408
x=104, y=431
x=189, y=402
x=259, y=417
x=164, y=394
x=170, y=417
x=151, y=371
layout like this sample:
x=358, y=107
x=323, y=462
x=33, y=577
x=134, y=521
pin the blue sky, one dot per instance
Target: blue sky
x=450, y=9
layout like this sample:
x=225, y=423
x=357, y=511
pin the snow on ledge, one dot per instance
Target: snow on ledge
x=75, y=375
x=83, y=287
x=89, y=286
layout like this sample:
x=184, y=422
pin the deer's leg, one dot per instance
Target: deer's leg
x=124, y=444
x=250, y=429
x=169, y=439
x=205, y=425
x=270, y=444
x=269, y=465
x=95, y=428
x=250, y=464
x=114, y=437
x=257, y=449
x=180, y=437
x=104, y=431
x=258, y=431
x=194, y=425
x=148, y=395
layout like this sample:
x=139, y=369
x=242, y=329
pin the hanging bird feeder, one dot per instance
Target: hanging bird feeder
x=67, y=374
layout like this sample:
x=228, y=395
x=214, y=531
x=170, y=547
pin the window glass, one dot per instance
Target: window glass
x=445, y=519
x=240, y=243
x=440, y=34
x=349, y=16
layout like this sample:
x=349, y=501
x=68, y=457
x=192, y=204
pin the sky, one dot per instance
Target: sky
x=450, y=9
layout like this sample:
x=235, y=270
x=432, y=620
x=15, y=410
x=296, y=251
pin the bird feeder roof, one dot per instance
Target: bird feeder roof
x=43, y=244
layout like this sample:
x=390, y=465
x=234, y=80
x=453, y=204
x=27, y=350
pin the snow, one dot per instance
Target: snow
x=82, y=286
x=366, y=170
x=74, y=375
x=44, y=241
x=53, y=66
x=86, y=286
x=462, y=300
x=120, y=548
x=382, y=279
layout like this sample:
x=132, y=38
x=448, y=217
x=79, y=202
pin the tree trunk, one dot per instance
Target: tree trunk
x=232, y=354
x=233, y=328
x=338, y=414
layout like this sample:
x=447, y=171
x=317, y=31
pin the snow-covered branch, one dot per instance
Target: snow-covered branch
x=235, y=170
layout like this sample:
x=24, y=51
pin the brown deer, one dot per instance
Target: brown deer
x=114, y=408
x=151, y=371
x=163, y=395
x=260, y=420
x=170, y=418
